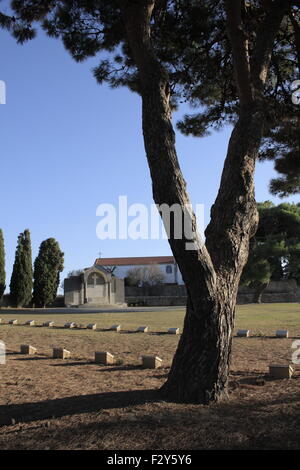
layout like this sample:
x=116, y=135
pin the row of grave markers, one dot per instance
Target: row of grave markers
x=101, y=357
x=277, y=371
x=142, y=329
x=148, y=361
x=279, y=333
x=90, y=326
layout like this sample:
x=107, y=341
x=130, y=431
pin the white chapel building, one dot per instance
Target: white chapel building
x=120, y=266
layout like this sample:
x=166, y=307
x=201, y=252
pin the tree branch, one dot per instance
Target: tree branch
x=264, y=44
x=168, y=183
x=231, y=229
x=240, y=52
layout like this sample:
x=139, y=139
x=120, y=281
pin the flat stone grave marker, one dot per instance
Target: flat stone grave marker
x=13, y=322
x=278, y=371
x=27, y=349
x=151, y=362
x=243, y=333
x=70, y=325
x=104, y=357
x=282, y=334
x=61, y=353
x=29, y=322
x=50, y=324
x=116, y=328
x=143, y=329
x=92, y=326
x=173, y=331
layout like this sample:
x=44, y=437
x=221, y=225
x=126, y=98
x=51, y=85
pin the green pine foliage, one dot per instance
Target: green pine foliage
x=282, y=145
x=190, y=40
x=21, y=279
x=47, y=268
x=2, y=265
x=275, y=249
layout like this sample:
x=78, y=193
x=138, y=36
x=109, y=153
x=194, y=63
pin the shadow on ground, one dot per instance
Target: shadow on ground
x=27, y=412
x=230, y=425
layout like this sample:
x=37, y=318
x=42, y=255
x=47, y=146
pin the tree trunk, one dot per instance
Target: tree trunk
x=200, y=368
x=259, y=292
x=211, y=272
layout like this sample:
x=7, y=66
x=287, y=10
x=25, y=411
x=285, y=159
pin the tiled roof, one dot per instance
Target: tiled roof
x=135, y=261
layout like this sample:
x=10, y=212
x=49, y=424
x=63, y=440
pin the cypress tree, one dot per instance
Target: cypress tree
x=2, y=265
x=47, y=267
x=21, y=278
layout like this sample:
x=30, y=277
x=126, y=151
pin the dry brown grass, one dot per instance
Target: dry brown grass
x=75, y=404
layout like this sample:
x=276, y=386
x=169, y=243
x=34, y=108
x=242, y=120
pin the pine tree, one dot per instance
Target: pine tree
x=2, y=265
x=275, y=248
x=223, y=57
x=21, y=279
x=47, y=267
x=286, y=137
x=283, y=146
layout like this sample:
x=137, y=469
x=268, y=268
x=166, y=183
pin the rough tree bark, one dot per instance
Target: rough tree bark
x=211, y=272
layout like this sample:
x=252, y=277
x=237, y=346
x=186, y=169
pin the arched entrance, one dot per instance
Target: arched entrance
x=96, y=288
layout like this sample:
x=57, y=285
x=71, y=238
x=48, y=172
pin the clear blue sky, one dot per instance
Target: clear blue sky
x=68, y=145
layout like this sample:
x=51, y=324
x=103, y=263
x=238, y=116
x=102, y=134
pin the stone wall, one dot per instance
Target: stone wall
x=163, y=290
x=73, y=291
x=153, y=301
x=119, y=290
x=277, y=291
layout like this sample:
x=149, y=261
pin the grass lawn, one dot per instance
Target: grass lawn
x=254, y=316
x=268, y=317
x=48, y=403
